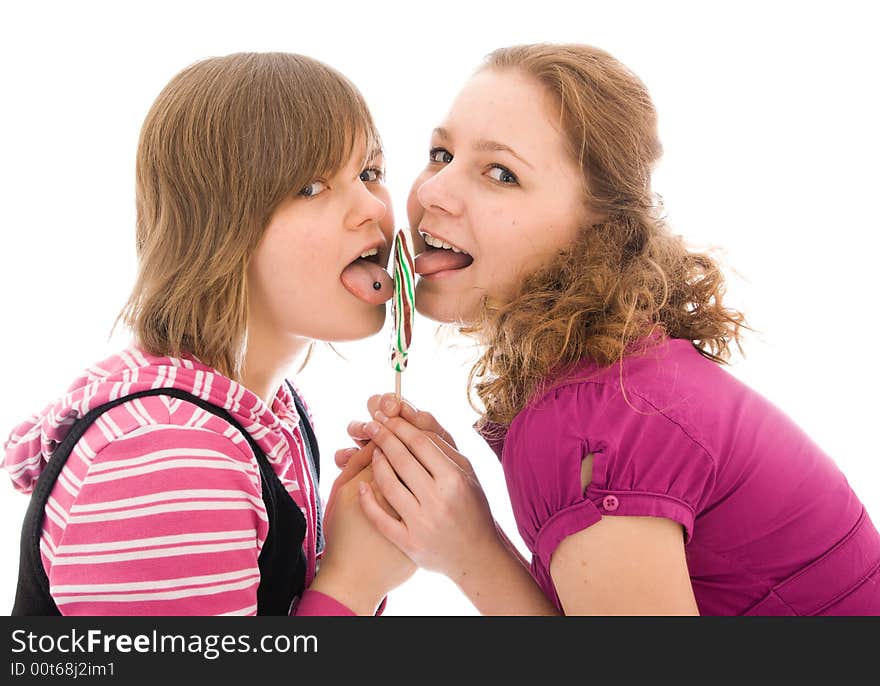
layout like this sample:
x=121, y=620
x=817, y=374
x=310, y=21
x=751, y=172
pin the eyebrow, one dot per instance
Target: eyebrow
x=486, y=145
x=374, y=153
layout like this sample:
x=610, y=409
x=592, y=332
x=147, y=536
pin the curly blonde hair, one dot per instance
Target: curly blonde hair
x=624, y=278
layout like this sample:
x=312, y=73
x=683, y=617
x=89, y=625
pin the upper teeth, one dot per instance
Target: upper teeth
x=371, y=252
x=437, y=243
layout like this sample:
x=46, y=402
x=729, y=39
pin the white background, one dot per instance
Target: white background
x=768, y=116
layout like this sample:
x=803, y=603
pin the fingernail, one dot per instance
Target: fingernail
x=377, y=455
x=389, y=405
x=379, y=417
x=371, y=428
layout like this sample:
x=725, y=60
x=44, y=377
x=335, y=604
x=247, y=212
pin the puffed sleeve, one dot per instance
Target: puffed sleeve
x=644, y=464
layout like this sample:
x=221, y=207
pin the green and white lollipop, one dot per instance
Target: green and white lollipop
x=403, y=303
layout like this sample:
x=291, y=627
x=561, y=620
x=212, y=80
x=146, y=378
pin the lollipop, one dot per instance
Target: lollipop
x=402, y=304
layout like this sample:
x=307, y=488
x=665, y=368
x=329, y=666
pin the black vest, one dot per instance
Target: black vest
x=282, y=561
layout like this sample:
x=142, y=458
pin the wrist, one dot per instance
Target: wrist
x=316, y=604
x=499, y=583
x=350, y=591
x=481, y=564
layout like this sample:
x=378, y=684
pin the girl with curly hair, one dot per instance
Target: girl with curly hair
x=644, y=478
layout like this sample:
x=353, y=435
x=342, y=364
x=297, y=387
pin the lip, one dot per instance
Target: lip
x=445, y=274
x=423, y=230
x=382, y=258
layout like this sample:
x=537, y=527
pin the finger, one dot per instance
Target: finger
x=392, y=529
x=384, y=504
x=342, y=456
x=358, y=467
x=355, y=429
x=425, y=421
x=394, y=490
x=460, y=460
x=415, y=442
x=356, y=463
x=409, y=467
x=390, y=405
x=373, y=404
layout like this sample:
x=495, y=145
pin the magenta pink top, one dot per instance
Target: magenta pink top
x=770, y=523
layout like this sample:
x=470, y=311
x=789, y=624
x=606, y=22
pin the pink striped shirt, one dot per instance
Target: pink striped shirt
x=159, y=510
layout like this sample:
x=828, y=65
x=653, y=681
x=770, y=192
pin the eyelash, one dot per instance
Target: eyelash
x=380, y=174
x=505, y=170
x=303, y=190
x=434, y=151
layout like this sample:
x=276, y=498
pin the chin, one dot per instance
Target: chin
x=361, y=326
x=437, y=308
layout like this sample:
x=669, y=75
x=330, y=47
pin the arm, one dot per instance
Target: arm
x=608, y=522
x=446, y=524
x=624, y=566
x=500, y=583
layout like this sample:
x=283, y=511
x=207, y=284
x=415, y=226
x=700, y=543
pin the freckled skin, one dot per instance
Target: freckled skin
x=509, y=229
x=294, y=276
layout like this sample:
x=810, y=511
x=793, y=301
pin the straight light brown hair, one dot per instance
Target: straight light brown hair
x=225, y=142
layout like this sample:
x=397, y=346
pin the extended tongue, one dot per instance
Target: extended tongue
x=434, y=260
x=359, y=277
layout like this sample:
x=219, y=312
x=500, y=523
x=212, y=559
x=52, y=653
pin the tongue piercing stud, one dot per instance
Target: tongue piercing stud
x=377, y=286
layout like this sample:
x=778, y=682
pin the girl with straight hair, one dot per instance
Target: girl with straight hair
x=179, y=476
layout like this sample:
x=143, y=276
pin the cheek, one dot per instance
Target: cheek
x=519, y=242
x=266, y=257
x=502, y=264
x=289, y=257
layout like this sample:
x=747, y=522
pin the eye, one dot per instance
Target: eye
x=372, y=175
x=313, y=189
x=503, y=175
x=440, y=156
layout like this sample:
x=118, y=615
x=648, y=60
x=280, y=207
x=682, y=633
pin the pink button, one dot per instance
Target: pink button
x=609, y=502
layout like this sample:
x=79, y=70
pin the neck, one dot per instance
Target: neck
x=268, y=360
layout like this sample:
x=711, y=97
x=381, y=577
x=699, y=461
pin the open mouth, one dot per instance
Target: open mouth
x=440, y=256
x=365, y=277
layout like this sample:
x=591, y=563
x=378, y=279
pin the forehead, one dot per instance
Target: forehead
x=506, y=106
x=364, y=149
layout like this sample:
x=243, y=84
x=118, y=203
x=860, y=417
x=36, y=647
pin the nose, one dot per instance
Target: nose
x=440, y=193
x=367, y=208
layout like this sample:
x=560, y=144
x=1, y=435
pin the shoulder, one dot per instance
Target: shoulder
x=643, y=453
x=596, y=412
x=173, y=504
x=165, y=478
x=663, y=389
x=159, y=435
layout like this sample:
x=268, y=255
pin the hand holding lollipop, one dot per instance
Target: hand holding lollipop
x=353, y=460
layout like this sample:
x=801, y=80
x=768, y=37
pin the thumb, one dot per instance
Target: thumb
x=457, y=458
x=425, y=421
